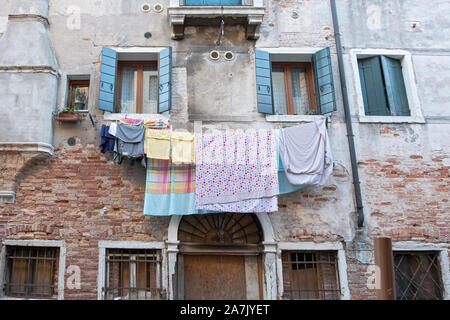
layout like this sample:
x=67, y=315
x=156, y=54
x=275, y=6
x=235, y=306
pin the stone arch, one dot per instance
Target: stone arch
x=268, y=242
x=263, y=218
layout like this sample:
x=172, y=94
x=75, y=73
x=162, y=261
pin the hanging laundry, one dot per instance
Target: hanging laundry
x=269, y=204
x=170, y=189
x=157, y=144
x=236, y=166
x=107, y=141
x=306, y=153
x=157, y=124
x=131, y=121
x=129, y=143
x=113, y=129
x=284, y=185
x=183, y=150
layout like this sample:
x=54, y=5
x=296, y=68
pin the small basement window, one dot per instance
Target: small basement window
x=137, y=88
x=293, y=88
x=310, y=275
x=418, y=276
x=133, y=274
x=31, y=272
x=78, y=94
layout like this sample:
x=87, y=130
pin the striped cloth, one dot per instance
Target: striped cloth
x=164, y=178
x=170, y=189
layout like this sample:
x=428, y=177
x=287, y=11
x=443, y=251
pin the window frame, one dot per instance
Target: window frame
x=104, y=245
x=287, y=66
x=312, y=246
x=34, y=243
x=408, y=78
x=441, y=249
x=314, y=264
x=78, y=83
x=33, y=269
x=139, y=81
x=416, y=253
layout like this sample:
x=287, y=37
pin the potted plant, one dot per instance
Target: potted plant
x=68, y=115
x=80, y=99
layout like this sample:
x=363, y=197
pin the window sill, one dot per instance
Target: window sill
x=294, y=118
x=142, y=116
x=391, y=119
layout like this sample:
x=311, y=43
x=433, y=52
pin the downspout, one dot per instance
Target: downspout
x=350, y=136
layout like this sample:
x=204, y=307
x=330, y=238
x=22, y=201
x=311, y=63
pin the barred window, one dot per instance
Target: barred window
x=417, y=276
x=133, y=274
x=310, y=275
x=31, y=272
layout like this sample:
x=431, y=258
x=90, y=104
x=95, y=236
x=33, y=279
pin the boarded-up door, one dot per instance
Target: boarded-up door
x=214, y=277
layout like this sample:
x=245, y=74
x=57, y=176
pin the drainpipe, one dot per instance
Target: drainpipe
x=350, y=136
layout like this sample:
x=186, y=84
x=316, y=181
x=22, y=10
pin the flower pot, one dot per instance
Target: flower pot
x=68, y=117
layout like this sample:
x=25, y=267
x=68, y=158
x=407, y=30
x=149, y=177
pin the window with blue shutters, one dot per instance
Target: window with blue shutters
x=383, y=87
x=135, y=86
x=295, y=88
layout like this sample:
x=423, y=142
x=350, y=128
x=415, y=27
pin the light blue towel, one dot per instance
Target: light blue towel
x=283, y=182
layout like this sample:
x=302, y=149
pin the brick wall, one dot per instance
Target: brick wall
x=62, y=199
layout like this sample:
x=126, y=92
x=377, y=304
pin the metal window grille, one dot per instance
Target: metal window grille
x=31, y=272
x=417, y=276
x=133, y=274
x=310, y=275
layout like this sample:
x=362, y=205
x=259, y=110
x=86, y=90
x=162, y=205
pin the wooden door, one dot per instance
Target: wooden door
x=214, y=277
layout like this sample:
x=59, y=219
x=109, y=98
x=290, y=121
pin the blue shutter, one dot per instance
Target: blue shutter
x=372, y=86
x=165, y=80
x=323, y=74
x=395, y=86
x=107, y=80
x=264, y=82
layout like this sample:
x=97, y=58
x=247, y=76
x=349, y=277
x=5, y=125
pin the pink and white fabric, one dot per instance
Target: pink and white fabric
x=236, y=171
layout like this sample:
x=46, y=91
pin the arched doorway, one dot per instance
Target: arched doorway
x=220, y=257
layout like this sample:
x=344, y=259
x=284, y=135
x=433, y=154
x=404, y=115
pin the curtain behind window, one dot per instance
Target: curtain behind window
x=299, y=91
x=129, y=80
x=279, y=91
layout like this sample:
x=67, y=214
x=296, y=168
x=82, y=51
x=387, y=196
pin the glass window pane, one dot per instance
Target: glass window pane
x=128, y=97
x=279, y=91
x=299, y=90
x=150, y=94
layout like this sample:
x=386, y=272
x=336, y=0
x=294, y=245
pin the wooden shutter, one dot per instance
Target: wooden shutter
x=372, y=85
x=395, y=86
x=107, y=80
x=165, y=80
x=323, y=73
x=264, y=82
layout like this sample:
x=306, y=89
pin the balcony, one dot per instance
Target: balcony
x=210, y=12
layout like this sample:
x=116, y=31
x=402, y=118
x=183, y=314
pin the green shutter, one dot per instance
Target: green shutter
x=165, y=80
x=372, y=86
x=107, y=80
x=323, y=76
x=264, y=81
x=395, y=86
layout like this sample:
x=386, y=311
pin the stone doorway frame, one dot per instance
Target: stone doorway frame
x=269, y=255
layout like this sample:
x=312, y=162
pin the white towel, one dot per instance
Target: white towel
x=306, y=153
